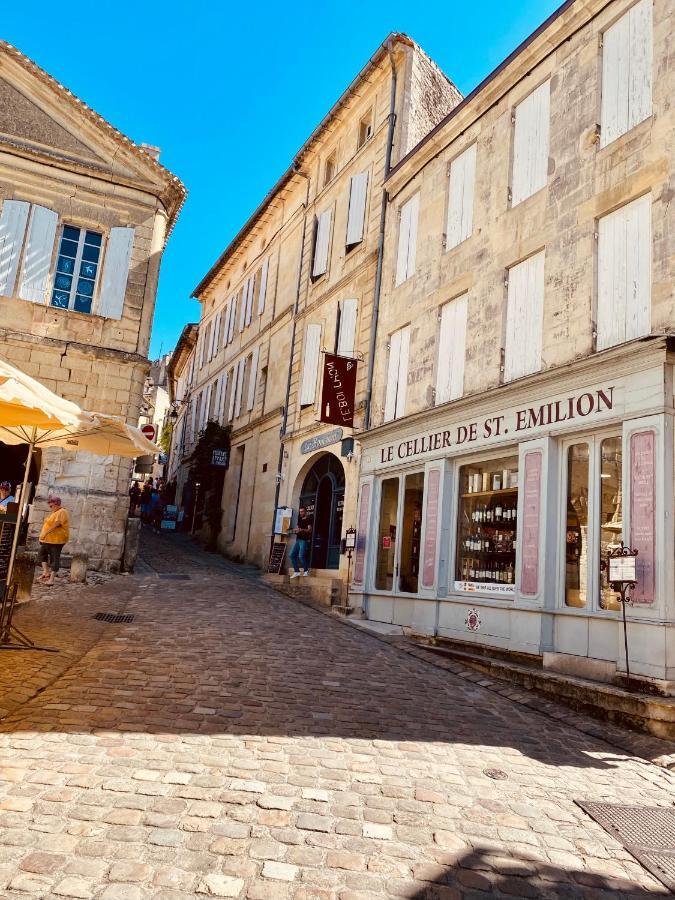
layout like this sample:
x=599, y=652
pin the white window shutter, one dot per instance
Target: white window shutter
x=524, y=318
x=356, y=217
x=249, y=300
x=223, y=394
x=193, y=418
x=531, y=144
x=640, y=69
x=392, y=376
x=253, y=375
x=232, y=317
x=263, y=286
x=37, y=258
x=216, y=334
x=218, y=384
x=211, y=335
x=403, y=241
x=451, y=350
x=402, y=372
x=322, y=243
x=240, y=386
x=234, y=373
x=310, y=366
x=347, y=335
x=242, y=311
x=13, y=221
x=461, y=197
x=115, y=272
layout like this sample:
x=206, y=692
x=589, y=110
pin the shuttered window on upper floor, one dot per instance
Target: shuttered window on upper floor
x=524, y=318
x=624, y=273
x=451, y=350
x=310, y=364
x=358, y=195
x=626, y=72
x=397, y=374
x=252, y=379
x=407, y=239
x=461, y=188
x=262, y=294
x=346, y=327
x=530, y=144
x=322, y=243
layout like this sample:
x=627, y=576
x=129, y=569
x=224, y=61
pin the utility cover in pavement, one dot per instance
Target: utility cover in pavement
x=647, y=832
x=171, y=576
x=114, y=618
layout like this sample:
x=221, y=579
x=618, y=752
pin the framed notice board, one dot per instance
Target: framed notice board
x=276, y=559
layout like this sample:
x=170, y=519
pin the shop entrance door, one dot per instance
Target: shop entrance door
x=322, y=496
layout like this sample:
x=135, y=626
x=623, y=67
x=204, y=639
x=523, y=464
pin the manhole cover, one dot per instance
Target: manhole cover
x=114, y=618
x=496, y=774
x=647, y=832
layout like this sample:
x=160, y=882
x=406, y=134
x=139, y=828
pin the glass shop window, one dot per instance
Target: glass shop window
x=488, y=526
x=386, y=536
x=411, y=533
x=76, y=269
x=611, y=513
x=577, y=536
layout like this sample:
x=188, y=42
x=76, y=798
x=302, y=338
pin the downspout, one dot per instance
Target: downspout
x=380, y=240
x=296, y=307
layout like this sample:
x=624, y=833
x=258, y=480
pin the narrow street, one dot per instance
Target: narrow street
x=231, y=742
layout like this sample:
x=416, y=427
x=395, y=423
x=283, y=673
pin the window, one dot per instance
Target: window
x=77, y=268
x=365, y=129
x=626, y=72
x=356, y=217
x=488, y=526
x=411, y=533
x=322, y=243
x=310, y=364
x=262, y=281
x=407, y=239
x=460, y=198
x=530, y=144
x=330, y=169
x=576, y=530
x=451, y=350
x=624, y=274
x=397, y=374
x=386, y=535
x=524, y=318
x=399, y=543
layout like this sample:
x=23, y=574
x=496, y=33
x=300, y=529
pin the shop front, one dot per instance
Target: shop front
x=490, y=519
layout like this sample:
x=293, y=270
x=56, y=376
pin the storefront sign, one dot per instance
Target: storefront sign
x=431, y=528
x=220, y=458
x=529, y=573
x=359, y=562
x=642, y=505
x=276, y=560
x=282, y=519
x=486, y=587
x=338, y=390
x=320, y=441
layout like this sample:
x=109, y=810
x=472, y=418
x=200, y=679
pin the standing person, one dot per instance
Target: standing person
x=156, y=510
x=146, y=501
x=6, y=495
x=303, y=536
x=134, y=498
x=54, y=534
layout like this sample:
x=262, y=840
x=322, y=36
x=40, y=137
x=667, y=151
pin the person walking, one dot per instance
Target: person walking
x=6, y=495
x=146, y=501
x=134, y=498
x=303, y=536
x=54, y=534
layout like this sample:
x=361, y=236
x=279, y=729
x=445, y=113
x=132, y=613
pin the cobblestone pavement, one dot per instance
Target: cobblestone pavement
x=230, y=742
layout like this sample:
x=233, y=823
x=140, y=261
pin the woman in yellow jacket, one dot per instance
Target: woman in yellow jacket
x=54, y=534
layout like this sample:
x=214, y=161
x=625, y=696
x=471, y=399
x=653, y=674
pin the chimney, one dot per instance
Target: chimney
x=154, y=152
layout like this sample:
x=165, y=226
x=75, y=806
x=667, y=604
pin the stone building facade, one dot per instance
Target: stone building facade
x=522, y=418
x=84, y=218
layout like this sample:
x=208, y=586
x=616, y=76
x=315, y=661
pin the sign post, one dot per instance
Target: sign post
x=622, y=569
x=350, y=544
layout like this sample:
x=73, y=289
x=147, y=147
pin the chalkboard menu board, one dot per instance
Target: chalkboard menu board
x=6, y=537
x=276, y=559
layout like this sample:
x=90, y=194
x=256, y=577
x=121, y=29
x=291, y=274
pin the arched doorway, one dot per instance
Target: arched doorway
x=323, y=496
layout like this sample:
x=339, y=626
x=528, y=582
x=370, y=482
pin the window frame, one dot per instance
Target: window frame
x=83, y=229
x=400, y=474
x=366, y=120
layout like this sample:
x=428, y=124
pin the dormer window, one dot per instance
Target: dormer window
x=365, y=129
x=330, y=169
x=76, y=269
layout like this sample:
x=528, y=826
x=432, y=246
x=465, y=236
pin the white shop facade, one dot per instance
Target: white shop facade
x=489, y=519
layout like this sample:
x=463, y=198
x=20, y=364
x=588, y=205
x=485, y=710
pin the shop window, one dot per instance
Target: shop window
x=611, y=513
x=576, y=535
x=411, y=533
x=386, y=535
x=76, y=269
x=488, y=526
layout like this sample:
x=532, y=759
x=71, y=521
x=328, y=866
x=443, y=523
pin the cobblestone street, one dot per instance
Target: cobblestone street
x=234, y=743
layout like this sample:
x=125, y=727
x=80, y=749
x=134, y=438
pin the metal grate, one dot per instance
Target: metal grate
x=172, y=577
x=647, y=832
x=114, y=618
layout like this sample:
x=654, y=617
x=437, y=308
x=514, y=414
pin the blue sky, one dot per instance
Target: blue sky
x=230, y=94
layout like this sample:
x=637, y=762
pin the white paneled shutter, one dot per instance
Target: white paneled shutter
x=263, y=287
x=240, y=386
x=626, y=72
x=347, y=333
x=530, y=144
x=216, y=332
x=460, y=197
x=451, y=350
x=310, y=366
x=37, y=258
x=253, y=375
x=232, y=317
x=402, y=373
x=624, y=273
x=242, y=311
x=524, y=318
x=115, y=272
x=193, y=418
x=13, y=221
x=322, y=243
x=249, y=301
x=358, y=193
x=407, y=239
x=397, y=374
x=223, y=394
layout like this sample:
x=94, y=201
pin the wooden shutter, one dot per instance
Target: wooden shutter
x=223, y=394
x=216, y=333
x=263, y=286
x=461, y=197
x=624, y=274
x=249, y=299
x=407, y=239
x=347, y=334
x=322, y=243
x=193, y=418
x=253, y=375
x=524, y=318
x=402, y=387
x=358, y=193
x=234, y=373
x=115, y=272
x=13, y=221
x=392, y=376
x=451, y=350
x=640, y=68
x=37, y=258
x=240, y=386
x=530, y=144
x=242, y=311
x=310, y=365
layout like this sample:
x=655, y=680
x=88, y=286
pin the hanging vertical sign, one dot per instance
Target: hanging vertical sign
x=529, y=577
x=431, y=528
x=642, y=505
x=338, y=390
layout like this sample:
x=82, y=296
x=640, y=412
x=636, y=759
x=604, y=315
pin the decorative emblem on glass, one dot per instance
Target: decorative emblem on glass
x=76, y=269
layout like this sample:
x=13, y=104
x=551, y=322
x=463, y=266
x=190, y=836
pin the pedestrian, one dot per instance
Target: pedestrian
x=156, y=509
x=146, y=501
x=303, y=535
x=54, y=534
x=6, y=495
x=134, y=498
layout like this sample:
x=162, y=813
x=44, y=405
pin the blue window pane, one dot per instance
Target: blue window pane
x=88, y=269
x=82, y=304
x=90, y=253
x=93, y=238
x=68, y=248
x=65, y=264
x=63, y=282
x=86, y=287
x=70, y=232
x=60, y=299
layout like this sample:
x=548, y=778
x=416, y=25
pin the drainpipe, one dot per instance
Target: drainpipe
x=296, y=307
x=380, y=240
